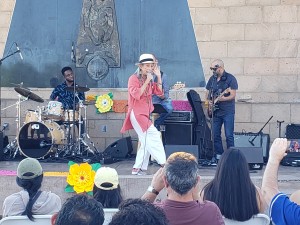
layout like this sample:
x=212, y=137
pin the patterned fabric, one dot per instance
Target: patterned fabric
x=64, y=96
x=181, y=105
x=120, y=106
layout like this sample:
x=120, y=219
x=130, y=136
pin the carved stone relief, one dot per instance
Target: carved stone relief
x=98, y=45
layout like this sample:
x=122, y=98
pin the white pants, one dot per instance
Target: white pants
x=151, y=144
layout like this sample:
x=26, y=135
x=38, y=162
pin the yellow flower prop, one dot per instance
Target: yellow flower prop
x=104, y=103
x=81, y=177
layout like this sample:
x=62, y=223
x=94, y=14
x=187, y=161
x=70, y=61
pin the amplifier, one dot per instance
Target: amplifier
x=242, y=139
x=180, y=117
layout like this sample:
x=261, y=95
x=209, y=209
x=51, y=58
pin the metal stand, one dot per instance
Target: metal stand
x=279, y=126
x=13, y=147
x=259, y=132
x=1, y=60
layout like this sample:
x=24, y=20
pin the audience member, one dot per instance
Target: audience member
x=30, y=201
x=138, y=212
x=282, y=209
x=79, y=210
x=232, y=186
x=106, y=187
x=295, y=197
x=182, y=182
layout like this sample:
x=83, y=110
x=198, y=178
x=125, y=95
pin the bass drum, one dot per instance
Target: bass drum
x=38, y=139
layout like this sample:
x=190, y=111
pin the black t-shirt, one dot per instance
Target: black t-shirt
x=215, y=88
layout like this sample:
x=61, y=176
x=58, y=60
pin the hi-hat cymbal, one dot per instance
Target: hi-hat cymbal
x=28, y=94
x=78, y=89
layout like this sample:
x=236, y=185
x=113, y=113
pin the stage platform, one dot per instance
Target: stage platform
x=133, y=186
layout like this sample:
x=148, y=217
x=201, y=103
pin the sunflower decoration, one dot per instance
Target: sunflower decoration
x=104, y=103
x=81, y=177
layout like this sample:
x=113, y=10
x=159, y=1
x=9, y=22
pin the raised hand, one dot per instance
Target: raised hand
x=278, y=149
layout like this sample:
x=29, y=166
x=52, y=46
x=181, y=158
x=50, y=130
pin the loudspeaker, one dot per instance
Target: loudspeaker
x=120, y=148
x=178, y=134
x=262, y=140
x=192, y=149
x=254, y=156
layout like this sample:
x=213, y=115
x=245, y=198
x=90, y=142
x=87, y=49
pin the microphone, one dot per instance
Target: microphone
x=251, y=142
x=20, y=53
x=150, y=74
x=72, y=52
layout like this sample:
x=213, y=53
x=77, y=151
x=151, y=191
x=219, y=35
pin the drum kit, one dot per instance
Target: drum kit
x=48, y=131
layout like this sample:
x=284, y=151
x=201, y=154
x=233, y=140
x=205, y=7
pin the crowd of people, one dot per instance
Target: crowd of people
x=230, y=194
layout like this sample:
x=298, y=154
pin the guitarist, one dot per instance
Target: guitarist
x=223, y=86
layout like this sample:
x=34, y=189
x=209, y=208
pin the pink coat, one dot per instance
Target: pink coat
x=141, y=104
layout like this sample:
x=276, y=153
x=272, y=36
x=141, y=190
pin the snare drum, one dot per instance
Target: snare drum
x=54, y=110
x=38, y=139
x=69, y=116
x=31, y=116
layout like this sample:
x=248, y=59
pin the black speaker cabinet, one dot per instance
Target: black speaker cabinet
x=192, y=149
x=120, y=148
x=262, y=140
x=178, y=134
x=254, y=156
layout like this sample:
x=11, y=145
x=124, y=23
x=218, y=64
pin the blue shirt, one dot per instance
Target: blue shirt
x=165, y=87
x=283, y=211
x=215, y=88
x=64, y=96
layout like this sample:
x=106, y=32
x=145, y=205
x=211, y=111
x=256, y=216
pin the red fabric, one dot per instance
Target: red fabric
x=140, y=104
x=181, y=105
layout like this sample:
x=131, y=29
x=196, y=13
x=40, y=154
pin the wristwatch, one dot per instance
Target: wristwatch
x=152, y=190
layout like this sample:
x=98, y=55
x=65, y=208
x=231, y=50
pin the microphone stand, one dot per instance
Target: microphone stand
x=74, y=100
x=1, y=60
x=259, y=132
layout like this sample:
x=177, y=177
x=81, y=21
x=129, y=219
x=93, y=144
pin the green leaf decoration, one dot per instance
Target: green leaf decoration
x=70, y=163
x=110, y=95
x=90, y=193
x=96, y=166
x=69, y=188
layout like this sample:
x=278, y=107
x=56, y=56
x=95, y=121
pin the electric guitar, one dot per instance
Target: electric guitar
x=213, y=105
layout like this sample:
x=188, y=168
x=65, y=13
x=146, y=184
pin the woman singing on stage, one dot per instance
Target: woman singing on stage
x=140, y=90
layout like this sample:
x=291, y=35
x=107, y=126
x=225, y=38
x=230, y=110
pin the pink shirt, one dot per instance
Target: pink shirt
x=140, y=104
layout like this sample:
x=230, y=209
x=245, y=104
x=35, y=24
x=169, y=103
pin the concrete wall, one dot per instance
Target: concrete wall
x=6, y=12
x=258, y=41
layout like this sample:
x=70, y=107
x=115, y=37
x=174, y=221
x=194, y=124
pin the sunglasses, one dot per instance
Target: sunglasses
x=214, y=68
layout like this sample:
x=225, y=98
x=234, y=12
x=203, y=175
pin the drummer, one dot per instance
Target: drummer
x=61, y=94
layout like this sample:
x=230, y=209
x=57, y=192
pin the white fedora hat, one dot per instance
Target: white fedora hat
x=146, y=58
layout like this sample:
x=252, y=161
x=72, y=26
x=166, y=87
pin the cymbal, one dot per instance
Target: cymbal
x=78, y=89
x=28, y=94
